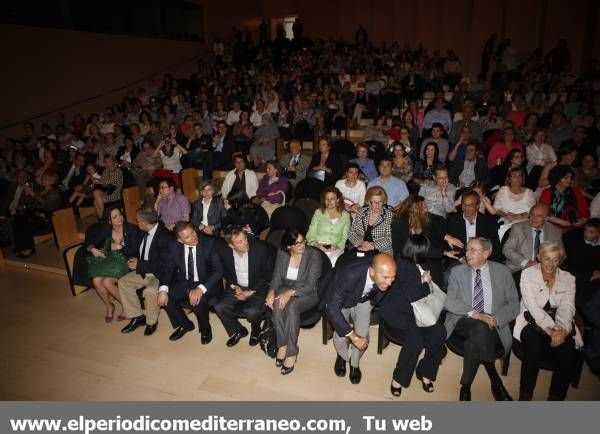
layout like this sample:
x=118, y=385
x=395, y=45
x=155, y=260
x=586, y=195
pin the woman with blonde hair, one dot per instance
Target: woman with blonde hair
x=545, y=324
x=371, y=229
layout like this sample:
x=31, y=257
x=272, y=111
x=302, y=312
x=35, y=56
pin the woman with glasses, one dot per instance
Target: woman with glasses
x=371, y=230
x=293, y=291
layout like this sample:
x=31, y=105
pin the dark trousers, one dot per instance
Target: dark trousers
x=229, y=308
x=25, y=226
x=414, y=339
x=212, y=160
x=178, y=297
x=536, y=347
x=480, y=346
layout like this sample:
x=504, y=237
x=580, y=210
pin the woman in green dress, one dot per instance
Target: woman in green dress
x=110, y=245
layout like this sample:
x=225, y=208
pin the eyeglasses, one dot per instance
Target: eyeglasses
x=299, y=242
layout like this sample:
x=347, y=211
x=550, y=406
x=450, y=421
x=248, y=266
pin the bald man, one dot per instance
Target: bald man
x=356, y=286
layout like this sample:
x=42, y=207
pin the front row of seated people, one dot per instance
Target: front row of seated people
x=185, y=268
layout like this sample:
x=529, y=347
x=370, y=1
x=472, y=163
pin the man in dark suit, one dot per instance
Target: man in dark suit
x=192, y=272
x=350, y=293
x=482, y=301
x=146, y=268
x=471, y=223
x=412, y=85
x=219, y=156
x=248, y=267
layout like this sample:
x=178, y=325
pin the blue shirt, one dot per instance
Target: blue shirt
x=367, y=167
x=394, y=187
x=442, y=116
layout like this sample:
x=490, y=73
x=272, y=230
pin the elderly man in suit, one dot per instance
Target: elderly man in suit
x=191, y=273
x=482, y=300
x=523, y=243
x=351, y=291
x=295, y=163
x=145, y=273
x=248, y=267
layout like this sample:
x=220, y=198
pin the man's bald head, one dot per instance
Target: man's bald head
x=382, y=271
x=538, y=215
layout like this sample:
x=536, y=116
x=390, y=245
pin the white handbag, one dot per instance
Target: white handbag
x=427, y=310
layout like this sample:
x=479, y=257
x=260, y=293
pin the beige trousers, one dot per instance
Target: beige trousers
x=128, y=285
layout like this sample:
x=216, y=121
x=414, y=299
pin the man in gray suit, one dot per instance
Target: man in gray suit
x=295, y=163
x=522, y=246
x=482, y=300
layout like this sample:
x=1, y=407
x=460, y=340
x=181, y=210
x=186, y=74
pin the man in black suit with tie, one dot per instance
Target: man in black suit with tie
x=146, y=269
x=470, y=223
x=248, y=267
x=192, y=272
x=356, y=285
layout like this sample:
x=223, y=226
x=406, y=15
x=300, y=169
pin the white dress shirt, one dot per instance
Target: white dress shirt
x=470, y=229
x=241, y=268
x=144, y=255
x=187, y=250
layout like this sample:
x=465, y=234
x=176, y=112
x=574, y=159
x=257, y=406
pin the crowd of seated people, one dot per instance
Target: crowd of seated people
x=486, y=194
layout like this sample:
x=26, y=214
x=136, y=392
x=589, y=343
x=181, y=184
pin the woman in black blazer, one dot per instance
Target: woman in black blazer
x=399, y=320
x=327, y=161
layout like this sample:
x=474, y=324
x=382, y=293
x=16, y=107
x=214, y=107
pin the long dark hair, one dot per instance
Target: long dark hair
x=416, y=248
x=289, y=237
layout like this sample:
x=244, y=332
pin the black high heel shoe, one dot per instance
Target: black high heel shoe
x=395, y=391
x=288, y=370
x=427, y=387
x=279, y=362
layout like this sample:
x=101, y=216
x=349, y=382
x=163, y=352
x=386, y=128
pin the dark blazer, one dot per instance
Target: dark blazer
x=581, y=258
x=487, y=227
x=97, y=235
x=158, y=254
x=261, y=258
x=482, y=172
x=216, y=213
x=210, y=270
x=435, y=231
x=345, y=290
x=334, y=162
x=395, y=308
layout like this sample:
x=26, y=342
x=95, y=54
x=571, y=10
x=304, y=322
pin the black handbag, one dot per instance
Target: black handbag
x=551, y=311
x=268, y=338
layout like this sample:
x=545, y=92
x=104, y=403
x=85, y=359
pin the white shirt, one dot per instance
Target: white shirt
x=146, y=253
x=368, y=285
x=292, y=273
x=241, y=268
x=537, y=155
x=233, y=117
x=205, y=207
x=355, y=194
x=595, y=206
x=470, y=229
x=533, y=258
x=15, y=203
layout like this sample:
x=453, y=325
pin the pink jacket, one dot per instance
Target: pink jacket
x=535, y=295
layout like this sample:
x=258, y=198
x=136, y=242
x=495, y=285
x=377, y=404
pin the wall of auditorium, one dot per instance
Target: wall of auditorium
x=45, y=69
x=463, y=25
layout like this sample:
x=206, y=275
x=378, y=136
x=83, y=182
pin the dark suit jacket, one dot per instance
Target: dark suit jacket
x=334, y=162
x=261, y=258
x=395, y=308
x=581, y=258
x=210, y=270
x=216, y=213
x=158, y=254
x=487, y=227
x=482, y=172
x=345, y=290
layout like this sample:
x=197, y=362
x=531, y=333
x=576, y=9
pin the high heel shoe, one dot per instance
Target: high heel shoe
x=427, y=387
x=109, y=318
x=288, y=369
x=395, y=391
x=279, y=362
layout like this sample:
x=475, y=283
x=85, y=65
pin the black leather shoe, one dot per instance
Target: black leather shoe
x=340, y=366
x=150, y=329
x=254, y=336
x=355, y=375
x=205, y=336
x=235, y=338
x=179, y=332
x=500, y=393
x=465, y=393
x=134, y=323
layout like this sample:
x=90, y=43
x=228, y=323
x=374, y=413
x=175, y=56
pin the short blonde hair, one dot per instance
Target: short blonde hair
x=552, y=246
x=375, y=191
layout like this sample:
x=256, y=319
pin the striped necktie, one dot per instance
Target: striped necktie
x=478, y=304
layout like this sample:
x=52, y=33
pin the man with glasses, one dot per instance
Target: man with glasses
x=482, y=301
